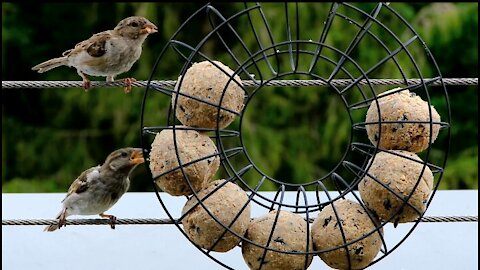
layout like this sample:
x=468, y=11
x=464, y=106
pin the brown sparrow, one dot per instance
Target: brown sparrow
x=97, y=189
x=107, y=54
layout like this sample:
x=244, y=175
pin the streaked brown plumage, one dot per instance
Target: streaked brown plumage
x=97, y=189
x=108, y=53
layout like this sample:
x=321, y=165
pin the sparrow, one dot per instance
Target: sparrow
x=107, y=53
x=97, y=189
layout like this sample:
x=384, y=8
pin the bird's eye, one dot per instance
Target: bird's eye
x=124, y=154
x=134, y=24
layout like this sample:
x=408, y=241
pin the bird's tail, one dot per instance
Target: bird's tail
x=51, y=228
x=50, y=64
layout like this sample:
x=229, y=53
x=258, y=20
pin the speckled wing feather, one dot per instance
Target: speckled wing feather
x=94, y=46
x=81, y=183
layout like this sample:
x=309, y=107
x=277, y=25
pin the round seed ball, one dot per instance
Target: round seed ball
x=290, y=234
x=355, y=223
x=206, y=82
x=192, y=146
x=401, y=175
x=402, y=106
x=224, y=204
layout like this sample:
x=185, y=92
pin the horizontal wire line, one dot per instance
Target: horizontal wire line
x=246, y=83
x=163, y=221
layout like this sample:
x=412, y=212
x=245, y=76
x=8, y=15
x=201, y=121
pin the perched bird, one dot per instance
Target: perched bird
x=97, y=189
x=107, y=54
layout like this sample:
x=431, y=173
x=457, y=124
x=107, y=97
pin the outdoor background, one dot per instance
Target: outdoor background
x=49, y=136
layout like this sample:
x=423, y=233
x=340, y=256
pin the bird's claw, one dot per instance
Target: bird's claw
x=62, y=223
x=113, y=221
x=112, y=218
x=128, y=84
x=87, y=85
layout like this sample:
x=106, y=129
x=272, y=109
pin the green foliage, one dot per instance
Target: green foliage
x=463, y=170
x=49, y=136
x=21, y=185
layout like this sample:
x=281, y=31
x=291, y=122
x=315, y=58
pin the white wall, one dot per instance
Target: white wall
x=431, y=245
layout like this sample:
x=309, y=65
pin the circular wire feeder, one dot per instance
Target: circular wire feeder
x=260, y=55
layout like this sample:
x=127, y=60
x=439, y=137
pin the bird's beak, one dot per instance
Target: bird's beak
x=137, y=157
x=149, y=28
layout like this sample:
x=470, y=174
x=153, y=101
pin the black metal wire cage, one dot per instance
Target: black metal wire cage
x=299, y=56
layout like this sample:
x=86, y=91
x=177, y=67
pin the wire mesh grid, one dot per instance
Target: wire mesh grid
x=298, y=52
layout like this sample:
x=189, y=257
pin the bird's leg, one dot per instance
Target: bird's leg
x=62, y=220
x=86, y=81
x=112, y=218
x=128, y=84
